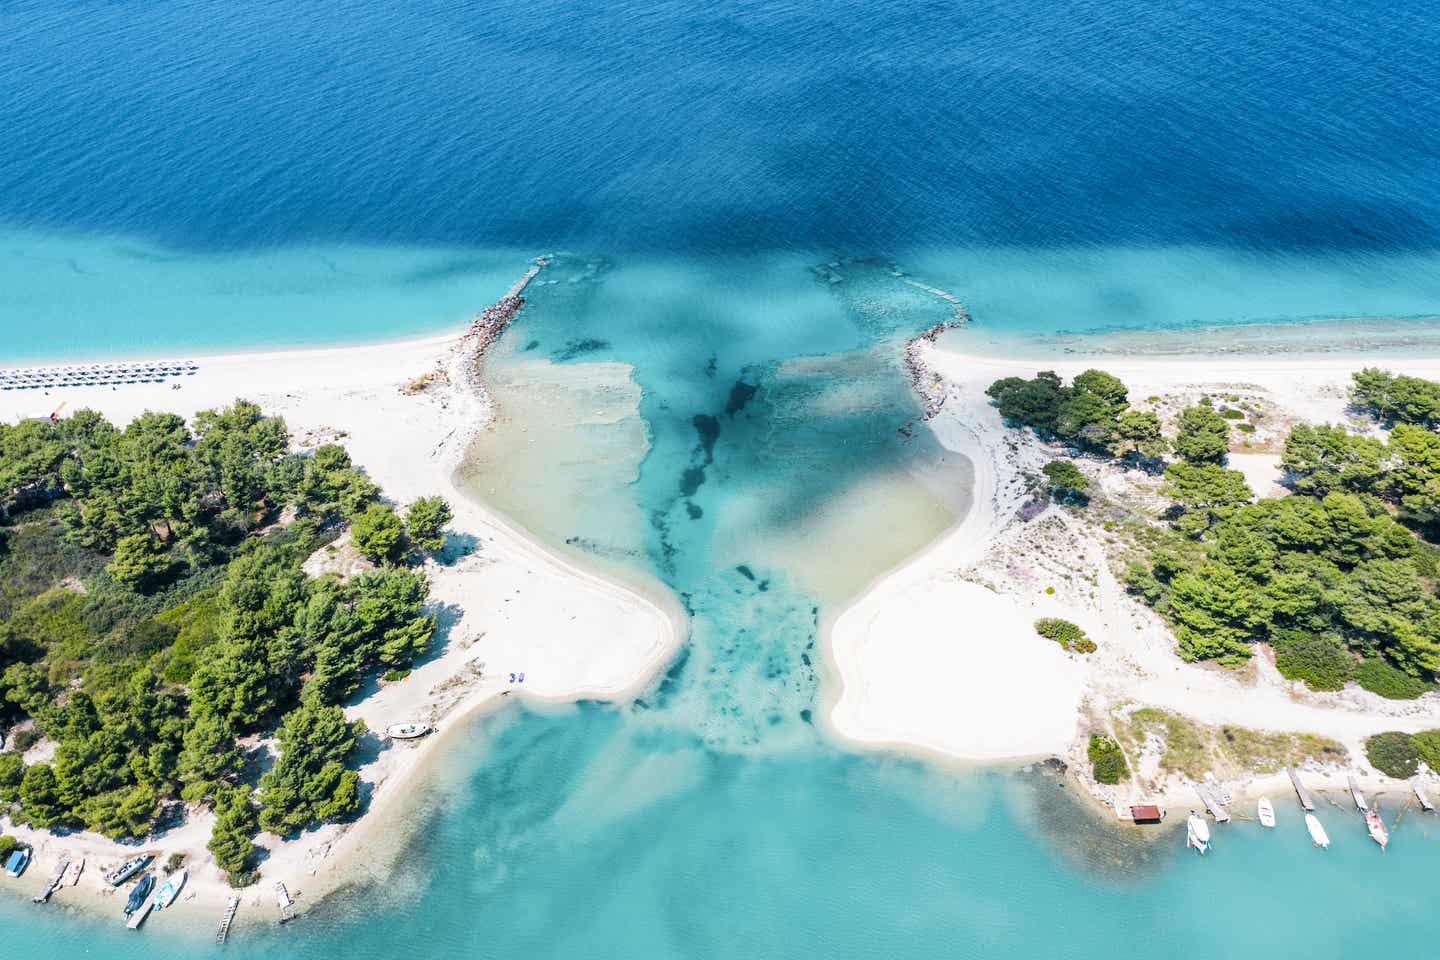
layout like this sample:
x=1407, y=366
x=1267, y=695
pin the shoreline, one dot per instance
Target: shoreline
x=978, y=646
x=511, y=598
x=414, y=443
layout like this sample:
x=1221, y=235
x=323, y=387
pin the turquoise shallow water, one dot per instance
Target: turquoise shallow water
x=711, y=817
x=590, y=833
x=188, y=175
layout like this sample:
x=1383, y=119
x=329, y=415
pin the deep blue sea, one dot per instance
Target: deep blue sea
x=732, y=187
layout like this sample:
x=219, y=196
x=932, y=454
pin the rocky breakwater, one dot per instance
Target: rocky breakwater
x=491, y=322
x=927, y=386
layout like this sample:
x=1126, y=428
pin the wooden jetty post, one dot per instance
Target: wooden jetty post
x=227, y=919
x=1305, y=802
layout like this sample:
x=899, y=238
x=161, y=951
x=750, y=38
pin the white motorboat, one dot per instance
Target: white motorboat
x=1318, y=836
x=1421, y=796
x=170, y=889
x=411, y=730
x=1197, y=833
x=1266, y=812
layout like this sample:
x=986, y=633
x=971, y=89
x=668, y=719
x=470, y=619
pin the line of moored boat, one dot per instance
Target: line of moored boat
x=1197, y=829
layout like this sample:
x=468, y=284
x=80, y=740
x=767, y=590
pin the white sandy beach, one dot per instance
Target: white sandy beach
x=509, y=605
x=941, y=656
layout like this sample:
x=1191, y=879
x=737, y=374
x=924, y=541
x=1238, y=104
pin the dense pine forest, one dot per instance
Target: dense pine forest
x=1339, y=576
x=155, y=622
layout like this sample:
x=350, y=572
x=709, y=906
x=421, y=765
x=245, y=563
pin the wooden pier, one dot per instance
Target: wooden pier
x=224, y=931
x=1357, y=796
x=56, y=879
x=1305, y=802
x=1212, y=803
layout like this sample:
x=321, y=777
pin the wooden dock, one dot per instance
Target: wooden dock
x=1357, y=796
x=56, y=879
x=1212, y=803
x=1305, y=802
x=224, y=931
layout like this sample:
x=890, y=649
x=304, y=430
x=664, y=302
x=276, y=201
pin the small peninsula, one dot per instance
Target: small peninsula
x=1189, y=568
x=212, y=614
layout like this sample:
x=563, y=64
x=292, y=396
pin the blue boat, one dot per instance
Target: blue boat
x=138, y=895
x=18, y=861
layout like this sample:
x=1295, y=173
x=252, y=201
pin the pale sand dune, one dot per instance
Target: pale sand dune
x=923, y=661
x=509, y=606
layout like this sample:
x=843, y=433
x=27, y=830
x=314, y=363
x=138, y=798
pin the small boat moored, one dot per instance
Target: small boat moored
x=1421, y=796
x=19, y=860
x=129, y=868
x=409, y=730
x=1266, y=812
x=1197, y=833
x=1318, y=836
x=1376, y=826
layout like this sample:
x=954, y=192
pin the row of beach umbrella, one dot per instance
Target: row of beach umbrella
x=94, y=374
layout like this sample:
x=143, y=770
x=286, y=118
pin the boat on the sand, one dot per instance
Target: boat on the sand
x=129, y=868
x=137, y=896
x=170, y=889
x=409, y=730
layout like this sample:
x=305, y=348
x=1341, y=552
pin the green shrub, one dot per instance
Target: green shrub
x=1319, y=659
x=391, y=676
x=7, y=846
x=1065, y=478
x=1230, y=413
x=1393, y=754
x=1427, y=746
x=1245, y=427
x=1107, y=760
x=1389, y=681
x=1065, y=633
x=25, y=739
x=378, y=533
